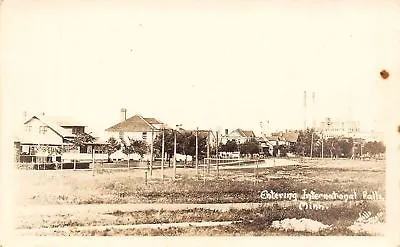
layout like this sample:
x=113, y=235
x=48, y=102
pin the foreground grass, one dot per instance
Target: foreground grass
x=253, y=222
x=68, y=187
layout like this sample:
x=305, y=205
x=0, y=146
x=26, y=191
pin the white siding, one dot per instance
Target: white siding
x=35, y=137
x=132, y=135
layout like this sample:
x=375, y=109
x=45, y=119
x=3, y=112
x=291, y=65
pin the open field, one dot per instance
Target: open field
x=55, y=190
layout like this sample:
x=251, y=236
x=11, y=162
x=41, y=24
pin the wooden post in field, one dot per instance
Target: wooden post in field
x=145, y=178
x=204, y=172
x=74, y=164
x=151, y=151
x=322, y=151
x=174, y=154
x=92, y=161
x=162, y=154
x=208, y=151
x=217, y=155
x=312, y=140
x=197, y=151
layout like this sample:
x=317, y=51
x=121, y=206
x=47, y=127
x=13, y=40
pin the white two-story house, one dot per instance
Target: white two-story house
x=136, y=127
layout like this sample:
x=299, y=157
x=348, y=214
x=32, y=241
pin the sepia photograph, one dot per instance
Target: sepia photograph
x=198, y=118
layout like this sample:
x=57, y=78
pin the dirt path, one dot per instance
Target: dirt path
x=40, y=231
x=107, y=208
x=263, y=164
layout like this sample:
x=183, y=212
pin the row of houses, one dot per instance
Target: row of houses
x=44, y=134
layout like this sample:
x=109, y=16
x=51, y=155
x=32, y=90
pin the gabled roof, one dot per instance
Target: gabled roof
x=152, y=120
x=291, y=136
x=273, y=138
x=245, y=133
x=205, y=133
x=53, y=125
x=135, y=124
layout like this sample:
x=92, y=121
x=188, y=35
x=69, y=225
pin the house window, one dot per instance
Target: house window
x=28, y=128
x=77, y=130
x=42, y=130
x=144, y=135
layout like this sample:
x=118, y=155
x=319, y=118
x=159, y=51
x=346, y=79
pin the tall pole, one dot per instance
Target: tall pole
x=162, y=154
x=216, y=149
x=197, y=151
x=92, y=161
x=312, y=140
x=305, y=110
x=322, y=151
x=313, y=110
x=208, y=151
x=151, y=151
x=174, y=153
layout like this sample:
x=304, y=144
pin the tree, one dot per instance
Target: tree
x=374, y=148
x=185, y=143
x=229, y=146
x=139, y=146
x=168, y=142
x=81, y=140
x=345, y=147
x=134, y=146
x=303, y=144
x=112, y=146
x=251, y=146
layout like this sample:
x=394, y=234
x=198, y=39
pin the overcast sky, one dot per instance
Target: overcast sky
x=211, y=64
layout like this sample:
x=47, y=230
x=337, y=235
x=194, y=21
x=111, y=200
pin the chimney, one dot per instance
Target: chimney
x=123, y=114
x=226, y=132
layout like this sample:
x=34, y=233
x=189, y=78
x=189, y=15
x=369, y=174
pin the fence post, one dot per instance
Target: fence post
x=145, y=177
x=74, y=165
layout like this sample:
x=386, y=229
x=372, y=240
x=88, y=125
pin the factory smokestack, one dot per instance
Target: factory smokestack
x=313, y=111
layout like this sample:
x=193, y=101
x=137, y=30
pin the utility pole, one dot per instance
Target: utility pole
x=208, y=151
x=92, y=161
x=162, y=154
x=175, y=154
x=178, y=125
x=197, y=151
x=322, y=152
x=312, y=140
x=216, y=149
x=151, y=151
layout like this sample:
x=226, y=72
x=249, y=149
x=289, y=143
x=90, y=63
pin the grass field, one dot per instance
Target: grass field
x=69, y=187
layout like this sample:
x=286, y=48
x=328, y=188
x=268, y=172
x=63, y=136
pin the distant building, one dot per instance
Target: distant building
x=136, y=127
x=339, y=128
x=238, y=135
x=43, y=136
x=347, y=129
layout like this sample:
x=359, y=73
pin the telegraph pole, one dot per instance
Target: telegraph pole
x=162, y=154
x=322, y=152
x=175, y=154
x=312, y=140
x=175, y=149
x=151, y=151
x=197, y=151
x=208, y=151
x=216, y=148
